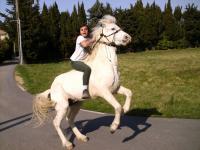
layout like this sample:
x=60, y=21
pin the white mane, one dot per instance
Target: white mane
x=97, y=30
x=107, y=19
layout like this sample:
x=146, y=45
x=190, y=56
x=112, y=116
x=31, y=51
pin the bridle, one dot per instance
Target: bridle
x=106, y=36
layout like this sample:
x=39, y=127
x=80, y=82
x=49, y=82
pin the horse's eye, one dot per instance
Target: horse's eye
x=113, y=29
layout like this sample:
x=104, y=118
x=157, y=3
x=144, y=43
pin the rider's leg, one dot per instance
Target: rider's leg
x=81, y=66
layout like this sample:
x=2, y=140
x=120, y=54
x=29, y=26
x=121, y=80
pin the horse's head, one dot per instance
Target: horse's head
x=108, y=32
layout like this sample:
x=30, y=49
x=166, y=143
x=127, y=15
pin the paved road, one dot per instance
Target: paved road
x=135, y=133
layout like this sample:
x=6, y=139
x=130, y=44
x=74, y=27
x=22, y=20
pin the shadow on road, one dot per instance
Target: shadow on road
x=9, y=62
x=137, y=124
x=15, y=121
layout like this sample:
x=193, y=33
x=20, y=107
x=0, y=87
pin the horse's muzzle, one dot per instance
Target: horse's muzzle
x=127, y=39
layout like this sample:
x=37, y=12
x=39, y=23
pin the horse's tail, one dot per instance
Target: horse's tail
x=41, y=105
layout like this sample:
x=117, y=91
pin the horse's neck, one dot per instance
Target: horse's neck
x=103, y=54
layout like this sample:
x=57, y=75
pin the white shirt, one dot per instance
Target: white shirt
x=79, y=53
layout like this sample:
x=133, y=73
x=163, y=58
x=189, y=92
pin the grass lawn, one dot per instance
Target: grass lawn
x=164, y=83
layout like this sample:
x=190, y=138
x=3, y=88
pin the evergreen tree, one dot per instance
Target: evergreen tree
x=9, y=25
x=192, y=24
x=95, y=13
x=71, y=37
x=108, y=9
x=45, y=52
x=35, y=39
x=75, y=21
x=152, y=26
x=169, y=22
x=180, y=41
x=178, y=13
x=30, y=29
x=65, y=36
x=137, y=18
x=54, y=31
x=81, y=14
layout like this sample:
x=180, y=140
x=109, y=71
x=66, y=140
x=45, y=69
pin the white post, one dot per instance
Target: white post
x=14, y=51
x=20, y=45
x=19, y=34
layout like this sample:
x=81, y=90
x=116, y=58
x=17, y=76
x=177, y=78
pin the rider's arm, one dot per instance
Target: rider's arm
x=87, y=42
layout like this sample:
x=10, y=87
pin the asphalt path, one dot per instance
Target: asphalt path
x=135, y=133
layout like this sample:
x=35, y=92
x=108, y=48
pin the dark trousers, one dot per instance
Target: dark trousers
x=81, y=66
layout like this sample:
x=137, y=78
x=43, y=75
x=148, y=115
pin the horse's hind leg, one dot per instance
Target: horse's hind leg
x=61, y=112
x=73, y=111
x=128, y=94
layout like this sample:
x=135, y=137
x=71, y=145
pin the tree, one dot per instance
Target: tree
x=178, y=13
x=137, y=25
x=191, y=25
x=180, y=42
x=9, y=25
x=108, y=9
x=65, y=39
x=81, y=14
x=152, y=27
x=95, y=13
x=45, y=52
x=54, y=31
x=34, y=31
x=169, y=23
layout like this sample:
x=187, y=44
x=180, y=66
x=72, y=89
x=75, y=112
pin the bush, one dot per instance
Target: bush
x=164, y=44
x=181, y=43
x=5, y=50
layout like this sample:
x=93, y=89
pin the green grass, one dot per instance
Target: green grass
x=164, y=83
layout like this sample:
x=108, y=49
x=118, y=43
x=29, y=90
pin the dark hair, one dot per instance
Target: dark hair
x=84, y=25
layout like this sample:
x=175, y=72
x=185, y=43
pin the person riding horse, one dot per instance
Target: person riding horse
x=80, y=53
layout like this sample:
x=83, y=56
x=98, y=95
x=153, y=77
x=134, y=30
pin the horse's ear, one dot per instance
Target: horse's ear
x=101, y=25
x=109, y=19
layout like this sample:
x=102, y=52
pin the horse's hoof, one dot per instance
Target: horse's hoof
x=87, y=139
x=70, y=147
x=125, y=110
x=112, y=131
x=84, y=139
x=113, y=127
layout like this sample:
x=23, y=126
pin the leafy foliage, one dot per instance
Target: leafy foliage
x=49, y=35
x=192, y=25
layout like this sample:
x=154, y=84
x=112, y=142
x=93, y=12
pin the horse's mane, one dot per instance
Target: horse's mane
x=96, y=31
x=107, y=19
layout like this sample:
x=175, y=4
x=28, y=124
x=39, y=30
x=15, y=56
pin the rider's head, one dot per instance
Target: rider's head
x=84, y=30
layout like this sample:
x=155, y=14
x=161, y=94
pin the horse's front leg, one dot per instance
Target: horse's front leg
x=108, y=96
x=128, y=94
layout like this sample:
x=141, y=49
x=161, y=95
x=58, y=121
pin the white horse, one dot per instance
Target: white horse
x=104, y=81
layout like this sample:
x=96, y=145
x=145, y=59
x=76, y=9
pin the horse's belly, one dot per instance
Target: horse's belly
x=106, y=79
x=72, y=83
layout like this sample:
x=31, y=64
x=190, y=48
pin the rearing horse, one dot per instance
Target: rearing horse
x=104, y=81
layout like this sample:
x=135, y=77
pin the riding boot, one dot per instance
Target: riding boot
x=86, y=94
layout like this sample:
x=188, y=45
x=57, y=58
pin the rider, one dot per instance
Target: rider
x=80, y=53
